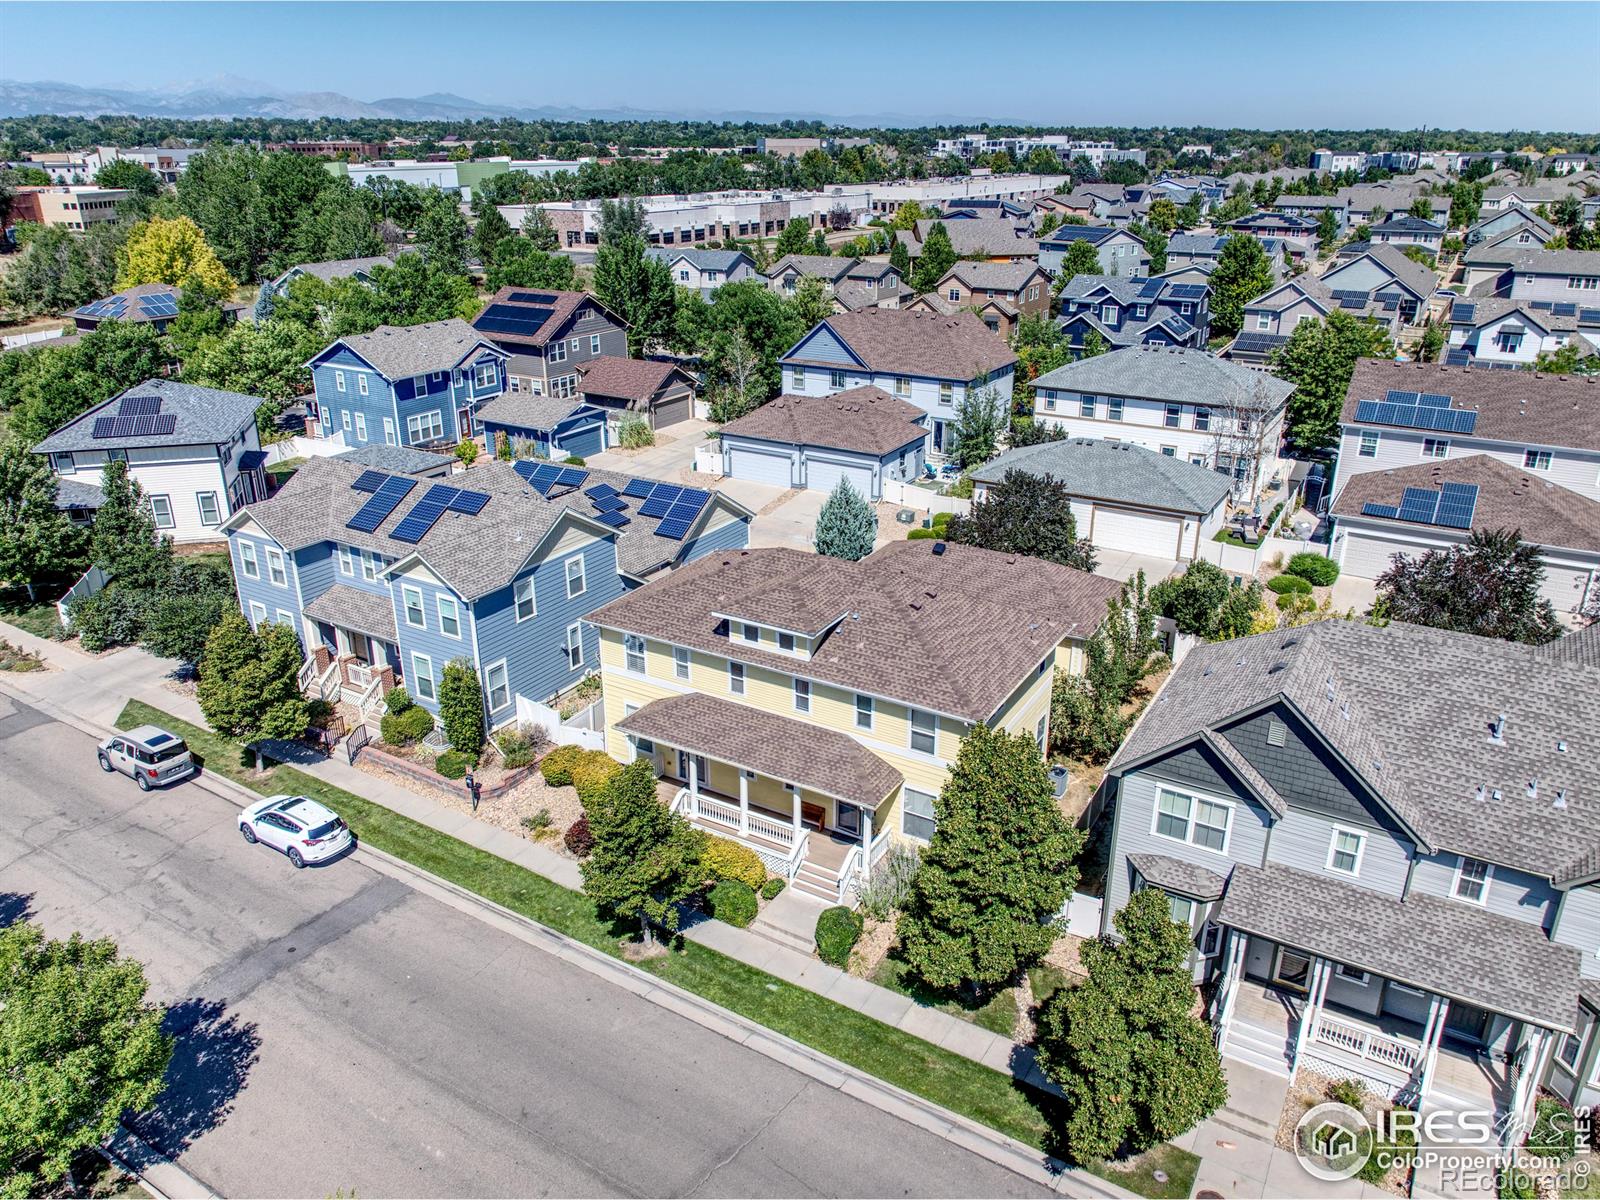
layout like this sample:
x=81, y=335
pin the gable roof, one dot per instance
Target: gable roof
x=525, y=410
x=397, y=460
x=1160, y=373
x=956, y=347
x=983, y=235
x=1406, y=223
x=704, y=260
x=1512, y=406
x=1546, y=513
x=1001, y=276
x=864, y=419
x=339, y=268
x=823, y=266
x=1409, y=709
x=1120, y=472
x=1476, y=312
x=954, y=632
x=1556, y=262
x=1518, y=216
x=1411, y=275
x=1063, y=235
x=205, y=416
x=559, y=308
x=625, y=378
x=397, y=351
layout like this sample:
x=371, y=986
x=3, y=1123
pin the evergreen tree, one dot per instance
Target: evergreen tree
x=997, y=870
x=900, y=259
x=645, y=858
x=1136, y=1065
x=125, y=543
x=795, y=238
x=461, y=707
x=1155, y=244
x=1422, y=207
x=442, y=232
x=36, y=538
x=623, y=219
x=1327, y=228
x=938, y=256
x=638, y=289
x=1487, y=586
x=536, y=227
x=248, y=687
x=491, y=230
x=819, y=244
x=1025, y=514
x=1243, y=273
x=846, y=526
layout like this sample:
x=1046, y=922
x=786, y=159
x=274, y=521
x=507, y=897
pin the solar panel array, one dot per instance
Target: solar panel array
x=439, y=499
x=384, y=500
x=1413, y=410
x=531, y=298
x=546, y=477
x=369, y=481
x=1419, y=505
x=111, y=306
x=1451, y=507
x=1152, y=289
x=159, y=305
x=1457, y=503
x=1462, y=312
x=674, y=506
x=516, y=320
x=139, y=406
x=1258, y=343
x=683, y=512
x=144, y=425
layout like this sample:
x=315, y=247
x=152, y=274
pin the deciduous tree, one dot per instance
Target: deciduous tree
x=53, y=384
x=1488, y=586
x=173, y=252
x=900, y=259
x=442, y=232
x=536, y=227
x=638, y=289
x=1081, y=258
x=795, y=238
x=846, y=527
x=518, y=262
x=1318, y=359
x=981, y=418
x=999, y=867
x=937, y=257
x=1243, y=273
x=36, y=538
x=1025, y=514
x=248, y=687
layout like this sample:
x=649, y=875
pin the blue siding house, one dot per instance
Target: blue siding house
x=386, y=578
x=544, y=426
x=407, y=385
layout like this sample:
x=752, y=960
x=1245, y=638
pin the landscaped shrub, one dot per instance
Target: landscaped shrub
x=733, y=902
x=573, y=460
x=888, y=881
x=1284, y=584
x=517, y=748
x=635, y=433
x=537, y=825
x=941, y=519
x=452, y=764
x=771, y=888
x=398, y=700
x=592, y=772
x=837, y=932
x=1514, y=1183
x=556, y=766
x=1555, y=1130
x=1314, y=568
x=723, y=859
x=406, y=726
x=921, y=534
x=578, y=840
x=1349, y=1092
x=461, y=706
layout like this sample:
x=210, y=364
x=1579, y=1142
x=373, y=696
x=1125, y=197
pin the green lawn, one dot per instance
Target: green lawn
x=1046, y=981
x=920, y=1067
x=1138, y=1173
x=283, y=469
x=998, y=1015
x=36, y=618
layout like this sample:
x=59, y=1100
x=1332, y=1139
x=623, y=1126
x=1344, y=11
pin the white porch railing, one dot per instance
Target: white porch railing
x=880, y=846
x=849, y=871
x=371, y=703
x=1368, y=1044
x=783, y=861
x=360, y=676
x=307, y=672
x=782, y=832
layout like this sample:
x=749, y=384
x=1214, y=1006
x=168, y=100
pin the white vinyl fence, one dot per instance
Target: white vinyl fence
x=585, y=729
x=94, y=580
x=927, y=500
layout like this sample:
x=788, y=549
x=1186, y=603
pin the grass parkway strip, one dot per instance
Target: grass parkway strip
x=959, y=1084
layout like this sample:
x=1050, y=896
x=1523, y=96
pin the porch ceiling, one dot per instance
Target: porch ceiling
x=1455, y=949
x=352, y=608
x=808, y=756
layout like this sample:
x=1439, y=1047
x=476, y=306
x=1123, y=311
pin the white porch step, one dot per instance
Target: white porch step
x=1266, y=1050
x=817, y=880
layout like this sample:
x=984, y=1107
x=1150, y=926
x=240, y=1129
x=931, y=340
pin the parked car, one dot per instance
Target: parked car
x=151, y=755
x=306, y=832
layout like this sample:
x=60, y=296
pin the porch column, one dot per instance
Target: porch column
x=866, y=843
x=744, y=801
x=1438, y=1010
x=1527, y=1090
x=694, y=780
x=1312, y=1012
x=795, y=795
x=1234, y=960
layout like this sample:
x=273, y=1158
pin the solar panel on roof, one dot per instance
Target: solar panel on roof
x=639, y=488
x=1457, y=503
x=1565, y=309
x=1433, y=400
x=525, y=468
x=571, y=477
x=505, y=318
x=469, y=502
x=1188, y=291
x=600, y=490
x=540, y=476
x=1589, y=316
x=608, y=504
x=531, y=298
x=1462, y=312
x=662, y=497
x=1151, y=288
x=674, y=528
x=1379, y=510
x=369, y=481
x=614, y=519
x=103, y=427
x=383, y=501
x=1419, y=505
x=1353, y=302
x=424, y=513
x=1458, y=358
x=133, y=406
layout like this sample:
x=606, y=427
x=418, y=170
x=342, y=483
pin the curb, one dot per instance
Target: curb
x=159, y=1175
x=970, y=1135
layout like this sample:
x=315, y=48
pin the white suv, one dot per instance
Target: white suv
x=304, y=830
x=149, y=754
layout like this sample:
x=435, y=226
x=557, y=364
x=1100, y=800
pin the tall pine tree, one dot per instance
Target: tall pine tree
x=846, y=526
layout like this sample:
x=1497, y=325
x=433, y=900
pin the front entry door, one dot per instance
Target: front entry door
x=464, y=422
x=1292, y=969
x=849, y=819
x=702, y=776
x=1464, y=1023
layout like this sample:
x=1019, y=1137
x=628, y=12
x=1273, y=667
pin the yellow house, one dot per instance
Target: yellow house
x=811, y=708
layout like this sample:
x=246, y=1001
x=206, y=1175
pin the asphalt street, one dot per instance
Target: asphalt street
x=337, y=1030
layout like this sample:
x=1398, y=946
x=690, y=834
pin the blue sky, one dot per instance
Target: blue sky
x=1311, y=65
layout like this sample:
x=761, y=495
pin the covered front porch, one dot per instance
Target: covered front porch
x=811, y=802
x=354, y=657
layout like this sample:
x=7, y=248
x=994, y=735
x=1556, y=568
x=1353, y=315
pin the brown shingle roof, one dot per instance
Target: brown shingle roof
x=562, y=307
x=955, y=632
x=1512, y=406
x=809, y=756
x=1547, y=514
x=958, y=346
x=624, y=378
x=865, y=419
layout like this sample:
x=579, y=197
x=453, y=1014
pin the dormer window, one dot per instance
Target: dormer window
x=786, y=642
x=750, y=633
x=1108, y=313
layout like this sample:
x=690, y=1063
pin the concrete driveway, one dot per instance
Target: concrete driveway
x=672, y=457
x=1124, y=565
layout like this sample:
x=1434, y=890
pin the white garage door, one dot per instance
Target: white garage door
x=1082, y=511
x=758, y=467
x=1368, y=557
x=824, y=476
x=1140, y=533
x=1563, y=587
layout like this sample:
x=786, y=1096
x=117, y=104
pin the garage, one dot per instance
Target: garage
x=759, y=466
x=823, y=475
x=670, y=410
x=1564, y=586
x=582, y=440
x=1367, y=557
x=1137, y=532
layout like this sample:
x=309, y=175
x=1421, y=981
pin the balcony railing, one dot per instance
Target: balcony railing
x=1368, y=1044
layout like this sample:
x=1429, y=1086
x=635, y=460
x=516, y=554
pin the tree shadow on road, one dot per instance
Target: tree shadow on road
x=14, y=907
x=211, y=1060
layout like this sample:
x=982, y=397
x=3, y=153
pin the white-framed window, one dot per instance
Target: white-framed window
x=1041, y=730
x=258, y=614
x=802, y=695
x=370, y=562
x=594, y=343
x=863, y=711
x=1345, y=849
x=64, y=462
x=338, y=381
x=680, y=661
x=954, y=293
x=344, y=419
x=799, y=378
x=285, y=617
x=916, y=814
x=1471, y=882
x=1369, y=444
x=786, y=642
x=1263, y=321
x=576, y=342
x=522, y=597
x=419, y=385
x=1114, y=408
x=1108, y=313
x=558, y=352
x=574, y=646
x=389, y=436
x=924, y=731
x=736, y=678
x=902, y=386
x=411, y=599
x=1435, y=447
x=497, y=684
x=425, y=427
x=488, y=374
x=749, y=633
x=247, y=560
x=564, y=386
x=161, y=509
x=1086, y=406
x=1536, y=460
x=449, y=616
x=1181, y=909
x=361, y=426
x=836, y=380
x=275, y=571
x=422, y=677
x=1359, y=978
x=947, y=393
x=1583, y=283
x=347, y=562
x=633, y=652
x=575, y=579
x=210, y=513
x=1173, y=417
x=1193, y=819
x=361, y=382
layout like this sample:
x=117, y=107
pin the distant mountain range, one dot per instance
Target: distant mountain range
x=228, y=96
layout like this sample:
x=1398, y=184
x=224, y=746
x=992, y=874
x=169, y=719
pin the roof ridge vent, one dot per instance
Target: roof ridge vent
x=1560, y=802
